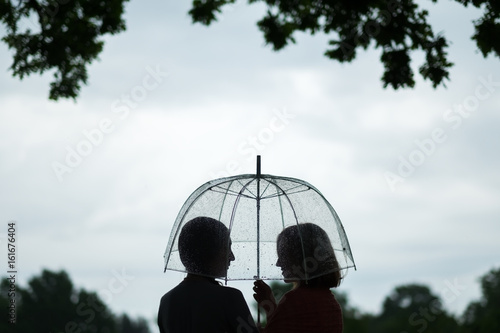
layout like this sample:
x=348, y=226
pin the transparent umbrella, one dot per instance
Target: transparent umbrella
x=256, y=208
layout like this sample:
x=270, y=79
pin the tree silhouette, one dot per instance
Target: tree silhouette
x=413, y=308
x=355, y=321
x=5, y=297
x=397, y=27
x=279, y=290
x=484, y=315
x=51, y=304
x=66, y=37
x=128, y=325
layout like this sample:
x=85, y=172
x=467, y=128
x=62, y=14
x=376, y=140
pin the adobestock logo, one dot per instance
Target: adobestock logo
x=425, y=315
x=252, y=145
x=94, y=137
x=425, y=148
x=91, y=309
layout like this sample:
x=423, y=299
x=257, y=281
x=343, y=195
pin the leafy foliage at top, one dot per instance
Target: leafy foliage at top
x=397, y=27
x=67, y=37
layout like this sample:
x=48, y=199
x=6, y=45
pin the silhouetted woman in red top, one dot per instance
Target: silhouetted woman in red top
x=307, y=260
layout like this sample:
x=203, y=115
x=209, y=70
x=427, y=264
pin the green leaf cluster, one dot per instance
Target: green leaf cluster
x=397, y=27
x=66, y=36
x=60, y=35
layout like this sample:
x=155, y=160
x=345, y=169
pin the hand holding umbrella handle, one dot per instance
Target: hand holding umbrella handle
x=264, y=296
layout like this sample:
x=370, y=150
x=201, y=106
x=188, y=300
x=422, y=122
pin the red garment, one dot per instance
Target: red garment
x=306, y=310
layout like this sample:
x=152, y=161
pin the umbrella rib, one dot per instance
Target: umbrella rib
x=234, y=208
x=298, y=186
x=281, y=209
x=253, y=195
x=224, y=200
x=262, y=194
x=246, y=188
x=227, y=192
x=222, y=190
x=296, y=221
x=277, y=194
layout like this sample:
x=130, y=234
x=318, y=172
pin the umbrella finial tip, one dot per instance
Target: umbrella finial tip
x=258, y=165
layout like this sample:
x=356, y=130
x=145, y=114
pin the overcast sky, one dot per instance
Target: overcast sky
x=96, y=185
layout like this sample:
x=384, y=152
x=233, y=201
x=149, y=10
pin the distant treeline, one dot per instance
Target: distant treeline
x=50, y=303
x=414, y=308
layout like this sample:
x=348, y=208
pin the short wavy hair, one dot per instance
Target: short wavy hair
x=307, y=248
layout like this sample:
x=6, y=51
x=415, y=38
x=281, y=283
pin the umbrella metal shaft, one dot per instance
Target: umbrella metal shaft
x=258, y=216
x=258, y=229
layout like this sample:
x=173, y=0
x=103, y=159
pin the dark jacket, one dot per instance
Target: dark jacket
x=204, y=306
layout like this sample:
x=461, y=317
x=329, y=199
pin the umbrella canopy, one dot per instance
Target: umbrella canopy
x=255, y=209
